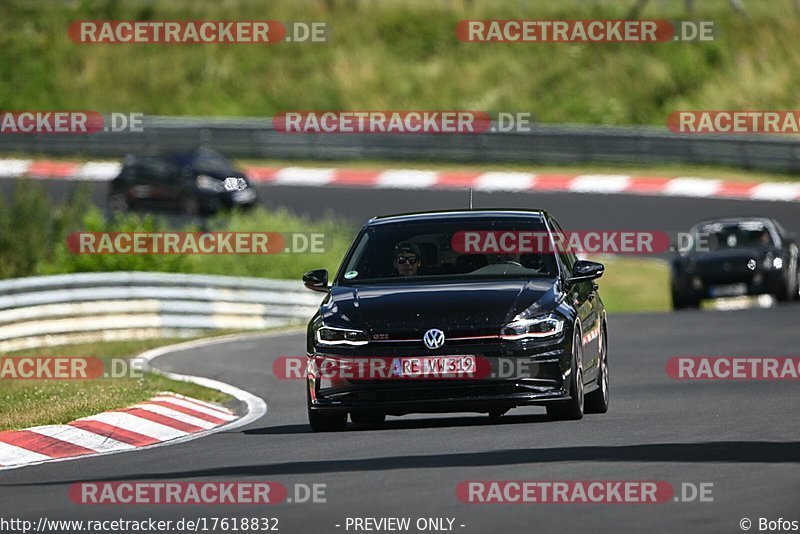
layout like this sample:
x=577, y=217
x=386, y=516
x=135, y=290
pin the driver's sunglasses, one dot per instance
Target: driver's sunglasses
x=401, y=260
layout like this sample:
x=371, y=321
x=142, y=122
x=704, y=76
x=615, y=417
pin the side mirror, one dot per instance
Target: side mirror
x=317, y=280
x=584, y=270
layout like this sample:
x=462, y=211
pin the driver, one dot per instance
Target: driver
x=407, y=259
x=764, y=238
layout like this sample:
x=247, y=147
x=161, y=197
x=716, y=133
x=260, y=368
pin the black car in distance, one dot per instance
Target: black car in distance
x=732, y=257
x=201, y=181
x=412, y=324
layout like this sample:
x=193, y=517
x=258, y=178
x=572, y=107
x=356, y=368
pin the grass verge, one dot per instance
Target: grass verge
x=26, y=403
x=634, y=285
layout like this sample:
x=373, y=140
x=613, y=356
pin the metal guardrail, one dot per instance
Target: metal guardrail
x=545, y=144
x=87, y=307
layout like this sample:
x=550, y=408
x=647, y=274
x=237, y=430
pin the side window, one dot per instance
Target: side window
x=156, y=170
x=568, y=257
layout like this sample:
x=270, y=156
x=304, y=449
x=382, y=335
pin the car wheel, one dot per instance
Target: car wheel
x=189, y=204
x=213, y=206
x=118, y=203
x=597, y=400
x=785, y=292
x=681, y=302
x=677, y=302
x=573, y=408
x=367, y=418
x=325, y=422
x=797, y=286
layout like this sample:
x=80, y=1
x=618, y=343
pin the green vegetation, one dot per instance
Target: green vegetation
x=33, y=239
x=400, y=55
x=633, y=285
x=26, y=403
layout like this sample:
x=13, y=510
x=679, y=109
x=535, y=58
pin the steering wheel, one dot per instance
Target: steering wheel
x=512, y=263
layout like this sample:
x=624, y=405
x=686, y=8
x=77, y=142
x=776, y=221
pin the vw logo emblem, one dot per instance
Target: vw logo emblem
x=433, y=338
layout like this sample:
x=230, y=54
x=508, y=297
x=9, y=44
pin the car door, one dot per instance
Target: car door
x=584, y=298
x=144, y=189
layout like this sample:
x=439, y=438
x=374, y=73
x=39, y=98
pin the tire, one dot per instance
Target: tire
x=367, y=418
x=796, y=295
x=212, y=207
x=189, y=204
x=597, y=400
x=571, y=410
x=118, y=203
x=681, y=302
x=790, y=290
x=677, y=302
x=325, y=422
x=784, y=293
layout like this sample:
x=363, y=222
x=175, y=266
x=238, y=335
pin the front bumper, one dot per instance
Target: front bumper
x=713, y=285
x=534, y=375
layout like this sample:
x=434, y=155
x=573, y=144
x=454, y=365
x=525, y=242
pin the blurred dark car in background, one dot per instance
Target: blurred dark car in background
x=202, y=181
x=735, y=256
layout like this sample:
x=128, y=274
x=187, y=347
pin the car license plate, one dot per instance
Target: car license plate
x=435, y=366
x=729, y=290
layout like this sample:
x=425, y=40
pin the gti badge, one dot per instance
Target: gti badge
x=433, y=338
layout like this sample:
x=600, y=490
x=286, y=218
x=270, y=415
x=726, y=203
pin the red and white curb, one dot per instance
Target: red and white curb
x=423, y=179
x=162, y=418
x=167, y=419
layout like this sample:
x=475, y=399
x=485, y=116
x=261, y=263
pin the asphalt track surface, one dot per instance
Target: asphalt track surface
x=575, y=211
x=744, y=437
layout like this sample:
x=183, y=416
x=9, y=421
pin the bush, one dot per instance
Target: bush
x=33, y=239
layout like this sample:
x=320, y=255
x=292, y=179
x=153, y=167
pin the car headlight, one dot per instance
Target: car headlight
x=210, y=184
x=329, y=335
x=771, y=261
x=542, y=326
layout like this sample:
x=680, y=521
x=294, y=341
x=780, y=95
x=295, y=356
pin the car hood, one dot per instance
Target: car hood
x=222, y=174
x=468, y=307
x=730, y=254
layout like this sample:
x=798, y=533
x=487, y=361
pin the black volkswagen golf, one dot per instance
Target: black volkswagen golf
x=457, y=311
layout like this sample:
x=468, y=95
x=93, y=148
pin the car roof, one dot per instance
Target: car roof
x=445, y=215
x=184, y=157
x=735, y=220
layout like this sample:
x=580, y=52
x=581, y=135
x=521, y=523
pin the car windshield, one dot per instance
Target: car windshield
x=209, y=161
x=746, y=234
x=434, y=250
